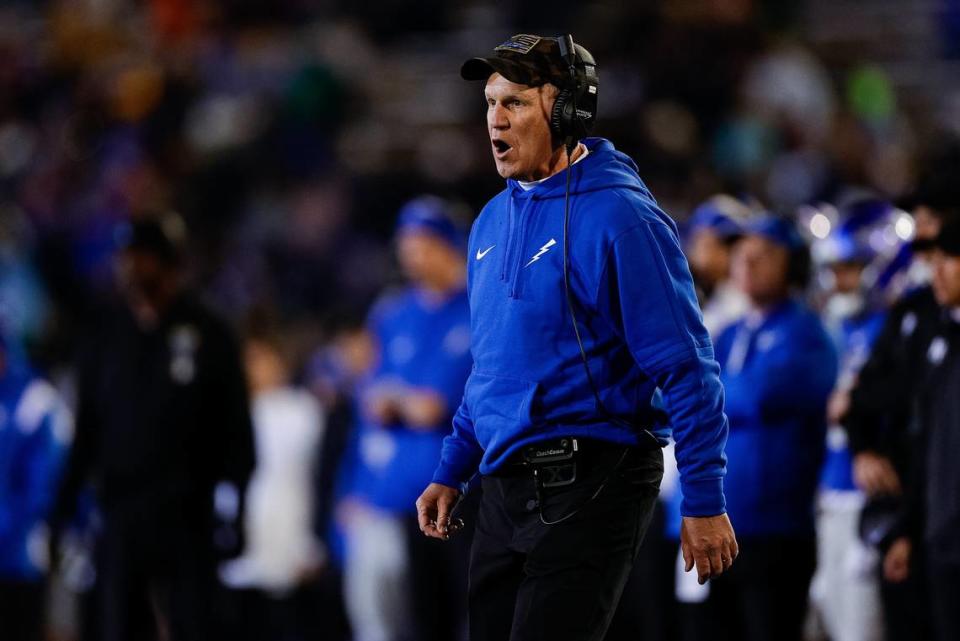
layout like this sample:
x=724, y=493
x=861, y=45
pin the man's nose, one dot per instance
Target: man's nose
x=497, y=117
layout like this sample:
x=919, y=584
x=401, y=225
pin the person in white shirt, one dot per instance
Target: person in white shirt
x=281, y=549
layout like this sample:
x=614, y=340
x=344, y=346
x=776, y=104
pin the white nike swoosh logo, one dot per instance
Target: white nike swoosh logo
x=481, y=254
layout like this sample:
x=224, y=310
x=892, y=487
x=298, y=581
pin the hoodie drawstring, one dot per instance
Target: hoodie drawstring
x=522, y=223
x=506, y=250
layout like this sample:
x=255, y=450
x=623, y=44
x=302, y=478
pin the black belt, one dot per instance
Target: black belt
x=558, y=462
x=587, y=452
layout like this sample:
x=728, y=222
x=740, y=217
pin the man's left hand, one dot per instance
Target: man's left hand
x=709, y=543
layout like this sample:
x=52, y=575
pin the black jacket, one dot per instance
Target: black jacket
x=933, y=495
x=881, y=403
x=162, y=415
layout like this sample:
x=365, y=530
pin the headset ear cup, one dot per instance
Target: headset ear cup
x=559, y=119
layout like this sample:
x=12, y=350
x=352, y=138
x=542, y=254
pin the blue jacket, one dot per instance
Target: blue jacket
x=854, y=338
x=778, y=375
x=35, y=431
x=640, y=323
x=424, y=345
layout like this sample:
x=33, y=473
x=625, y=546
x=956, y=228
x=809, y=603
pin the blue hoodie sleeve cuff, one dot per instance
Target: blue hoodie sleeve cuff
x=703, y=498
x=444, y=476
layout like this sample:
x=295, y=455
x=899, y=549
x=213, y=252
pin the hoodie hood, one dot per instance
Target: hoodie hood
x=608, y=168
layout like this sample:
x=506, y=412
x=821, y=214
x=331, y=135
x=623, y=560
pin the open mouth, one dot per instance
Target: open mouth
x=501, y=147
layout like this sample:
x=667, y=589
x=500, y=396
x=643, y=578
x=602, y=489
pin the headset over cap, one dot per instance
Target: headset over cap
x=534, y=61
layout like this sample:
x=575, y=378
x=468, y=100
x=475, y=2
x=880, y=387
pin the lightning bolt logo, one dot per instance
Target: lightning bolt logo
x=543, y=250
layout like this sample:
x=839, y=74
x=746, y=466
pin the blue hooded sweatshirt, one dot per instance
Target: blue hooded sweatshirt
x=639, y=320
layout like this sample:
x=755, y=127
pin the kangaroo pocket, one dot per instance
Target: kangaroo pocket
x=500, y=406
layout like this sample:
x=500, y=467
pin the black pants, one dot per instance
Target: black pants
x=535, y=582
x=906, y=604
x=154, y=582
x=763, y=597
x=311, y=612
x=21, y=610
x=943, y=581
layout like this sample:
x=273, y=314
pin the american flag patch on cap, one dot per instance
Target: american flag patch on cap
x=521, y=43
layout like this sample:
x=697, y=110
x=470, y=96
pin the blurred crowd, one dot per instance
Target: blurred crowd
x=233, y=328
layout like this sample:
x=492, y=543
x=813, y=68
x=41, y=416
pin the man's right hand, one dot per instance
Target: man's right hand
x=875, y=475
x=709, y=543
x=434, y=508
x=896, y=563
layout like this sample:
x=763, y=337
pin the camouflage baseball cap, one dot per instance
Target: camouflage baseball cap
x=525, y=59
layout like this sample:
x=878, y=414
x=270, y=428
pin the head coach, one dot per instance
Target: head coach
x=588, y=348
